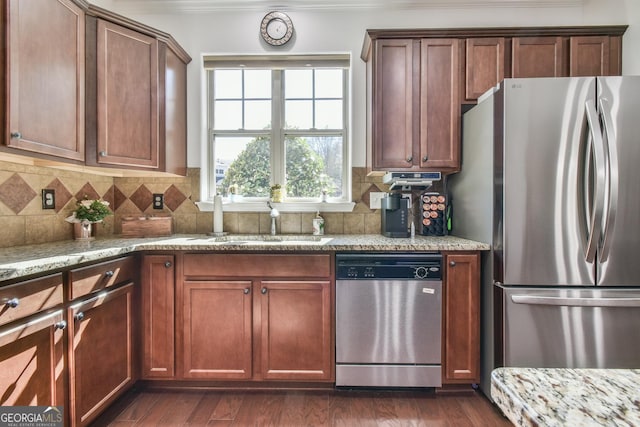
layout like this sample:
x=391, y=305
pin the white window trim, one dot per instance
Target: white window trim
x=257, y=205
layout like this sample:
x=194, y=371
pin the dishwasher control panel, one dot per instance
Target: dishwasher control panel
x=419, y=266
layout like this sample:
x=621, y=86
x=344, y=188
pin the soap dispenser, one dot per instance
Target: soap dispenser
x=318, y=225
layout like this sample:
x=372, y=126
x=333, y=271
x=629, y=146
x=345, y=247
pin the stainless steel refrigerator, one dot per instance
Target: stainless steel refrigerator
x=550, y=179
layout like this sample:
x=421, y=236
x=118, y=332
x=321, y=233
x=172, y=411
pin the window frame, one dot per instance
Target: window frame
x=277, y=133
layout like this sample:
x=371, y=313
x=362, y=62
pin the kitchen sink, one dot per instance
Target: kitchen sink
x=267, y=239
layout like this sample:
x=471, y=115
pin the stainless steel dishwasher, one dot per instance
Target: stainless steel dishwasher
x=388, y=320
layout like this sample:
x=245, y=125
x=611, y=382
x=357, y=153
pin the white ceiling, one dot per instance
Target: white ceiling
x=194, y=6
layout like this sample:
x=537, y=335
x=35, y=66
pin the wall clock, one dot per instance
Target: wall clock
x=276, y=28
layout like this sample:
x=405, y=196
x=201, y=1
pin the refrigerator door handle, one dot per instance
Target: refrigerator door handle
x=612, y=178
x=598, y=203
x=575, y=302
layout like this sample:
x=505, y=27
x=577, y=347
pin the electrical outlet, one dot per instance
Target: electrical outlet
x=158, y=201
x=375, y=198
x=48, y=198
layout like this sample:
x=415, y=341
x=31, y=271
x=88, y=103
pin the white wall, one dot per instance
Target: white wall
x=319, y=31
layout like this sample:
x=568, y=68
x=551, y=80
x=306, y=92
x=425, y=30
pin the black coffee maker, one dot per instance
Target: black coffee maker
x=395, y=216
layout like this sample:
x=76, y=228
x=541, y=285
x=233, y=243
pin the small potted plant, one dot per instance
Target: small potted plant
x=87, y=213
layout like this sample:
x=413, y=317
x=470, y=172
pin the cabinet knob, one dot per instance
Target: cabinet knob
x=109, y=273
x=409, y=159
x=168, y=264
x=103, y=154
x=79, y=316
x=264, y=291
x=13, y=302
x=425, y=158
x=16, y=135
x=60, y=325
x=246, y=291
x=452, y=263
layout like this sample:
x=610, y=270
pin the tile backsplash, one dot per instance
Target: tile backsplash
x=23, y=220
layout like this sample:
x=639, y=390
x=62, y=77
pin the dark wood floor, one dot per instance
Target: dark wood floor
x=303, y=408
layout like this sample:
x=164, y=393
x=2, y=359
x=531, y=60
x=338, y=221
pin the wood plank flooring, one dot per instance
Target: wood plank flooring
x=303, y=408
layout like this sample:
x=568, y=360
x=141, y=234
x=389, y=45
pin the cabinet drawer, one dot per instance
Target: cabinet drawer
x=258, y=265
x=99, y=276
x=26, y=298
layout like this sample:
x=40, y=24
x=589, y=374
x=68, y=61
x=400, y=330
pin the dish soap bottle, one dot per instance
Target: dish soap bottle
x=318, y=225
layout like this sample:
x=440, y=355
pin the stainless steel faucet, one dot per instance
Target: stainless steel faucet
x=274, y=214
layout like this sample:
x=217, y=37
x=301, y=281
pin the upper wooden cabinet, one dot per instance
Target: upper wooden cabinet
x=414, y=112
x=126, y=76
x=45, y=77
x=417, y=80
x=484, y=65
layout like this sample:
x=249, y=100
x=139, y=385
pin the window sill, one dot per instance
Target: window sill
x=207, y=206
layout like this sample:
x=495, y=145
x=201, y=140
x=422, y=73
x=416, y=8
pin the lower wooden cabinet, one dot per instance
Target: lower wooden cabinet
x=101, y=353
x=461, y=322
x=256, y=328
x=32, y=366
x=158, y=314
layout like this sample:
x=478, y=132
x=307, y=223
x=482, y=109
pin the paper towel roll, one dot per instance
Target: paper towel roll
x=217, y=213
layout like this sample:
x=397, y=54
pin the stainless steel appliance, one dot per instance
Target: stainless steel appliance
x=388, y=320
x=550, y=178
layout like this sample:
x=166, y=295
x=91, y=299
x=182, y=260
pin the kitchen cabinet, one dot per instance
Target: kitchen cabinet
x=538, y=57
x=592, y=56
x=267, y=318
x=484, y=65
x=461, y=322
x=45, y=102
x=136, y=91
x=102, y=346
x=158, y=314
x=32, y=364
x=125, y=75
x=414, y=115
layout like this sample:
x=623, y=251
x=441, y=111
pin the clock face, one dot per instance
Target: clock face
x=276, y=28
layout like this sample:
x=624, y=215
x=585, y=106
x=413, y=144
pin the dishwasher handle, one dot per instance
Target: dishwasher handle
x=576, y=302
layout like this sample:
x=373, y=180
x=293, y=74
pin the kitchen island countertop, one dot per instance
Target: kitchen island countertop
x=21, y=261
x=554, y=397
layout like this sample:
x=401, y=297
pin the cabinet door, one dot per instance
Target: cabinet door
x=439, y=104
x=127, y=97
x=32, y=366
x=174, y=72
x=101, y=352
x=589, y=56
x=217, y=328
x=484, y=65
x=296, y=333
x=46, y=71
x=158, y=314
x=462, y=318
x=537, y=57
x=392, y=98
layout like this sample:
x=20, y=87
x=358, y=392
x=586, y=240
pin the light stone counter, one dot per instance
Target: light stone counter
x=554, y=397
x=23, y=261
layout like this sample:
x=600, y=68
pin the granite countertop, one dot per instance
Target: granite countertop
x=568, y=397
x=22, y=261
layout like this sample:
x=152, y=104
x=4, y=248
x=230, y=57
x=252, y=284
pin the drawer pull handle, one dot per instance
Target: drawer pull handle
x=425, y=158
x=13, y=302
x=16, y=135
x=79, y=316
x=168, y=264
x=246, y=291
x=103, y=154
x=109, y=273
x=452, y=263
x=264, y=291
x=60, y=325
x=409, y=159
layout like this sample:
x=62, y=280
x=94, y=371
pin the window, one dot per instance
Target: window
x=278, y=121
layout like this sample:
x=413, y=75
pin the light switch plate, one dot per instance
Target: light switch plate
x=48, y=198
x=375, y=198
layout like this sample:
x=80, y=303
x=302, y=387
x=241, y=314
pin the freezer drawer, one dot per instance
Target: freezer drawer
x=567, y=328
